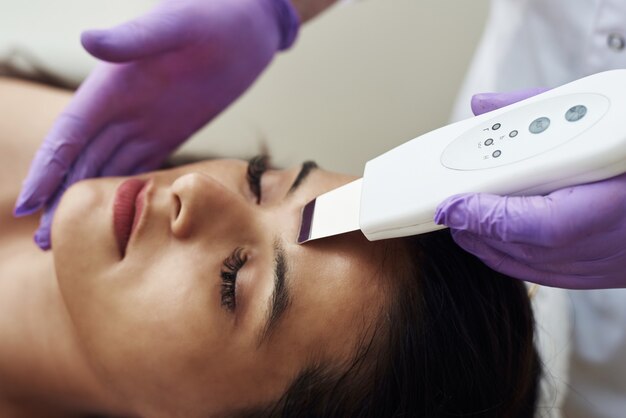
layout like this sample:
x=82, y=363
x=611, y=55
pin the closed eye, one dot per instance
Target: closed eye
x=230, y=269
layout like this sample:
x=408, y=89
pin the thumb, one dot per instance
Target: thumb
x=521, y=219
x=558, y=219
x=486, y=102
x=147, y=35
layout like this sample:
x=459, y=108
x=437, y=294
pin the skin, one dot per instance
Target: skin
x=144, y=333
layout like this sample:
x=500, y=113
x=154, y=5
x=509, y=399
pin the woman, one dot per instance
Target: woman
x=183, y=293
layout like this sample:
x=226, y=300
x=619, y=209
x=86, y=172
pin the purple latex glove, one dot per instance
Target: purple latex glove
x=572, y=238
x=168, y=73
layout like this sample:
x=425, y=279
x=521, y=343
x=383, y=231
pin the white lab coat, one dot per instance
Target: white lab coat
x=529, y=43
x=532, y=43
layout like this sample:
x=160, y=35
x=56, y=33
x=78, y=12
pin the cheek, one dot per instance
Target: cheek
x=82, y=240
x=150, y=323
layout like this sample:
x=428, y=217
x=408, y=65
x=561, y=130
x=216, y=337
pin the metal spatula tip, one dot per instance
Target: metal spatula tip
x=307, y=222
x=332, y=213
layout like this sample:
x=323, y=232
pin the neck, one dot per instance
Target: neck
x=39, y=353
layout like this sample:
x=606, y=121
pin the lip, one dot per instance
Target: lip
x=127, y=209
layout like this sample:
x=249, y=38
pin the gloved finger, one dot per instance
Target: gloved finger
x=588, y=209
x=587, y=252
x=504, y=218
x=486, y=102
x=83, y=118
x=147, y=35
x=92, y=160
x=505, y=264
x=548, y=221
x=88, y=165
x=52, y=162
x=133, y=155
x=42, y=236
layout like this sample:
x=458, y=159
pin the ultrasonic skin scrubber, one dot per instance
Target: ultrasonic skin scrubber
x=570, y=135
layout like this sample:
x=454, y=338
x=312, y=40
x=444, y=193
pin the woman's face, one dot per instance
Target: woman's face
x=211, y=306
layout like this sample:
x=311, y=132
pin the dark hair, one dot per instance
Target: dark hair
x=456, y=340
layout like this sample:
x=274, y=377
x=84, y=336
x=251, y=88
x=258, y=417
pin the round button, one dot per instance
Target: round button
x=539, y=125
x=616, y=41
x=489, y=142
x=496, y=126
x=513, y=134
x=497, y=153
x=575, y=113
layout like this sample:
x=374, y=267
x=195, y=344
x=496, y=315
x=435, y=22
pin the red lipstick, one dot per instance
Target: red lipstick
x=127, y=207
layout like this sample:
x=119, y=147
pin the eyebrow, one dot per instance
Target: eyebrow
x=281, y=298
x=306, y=169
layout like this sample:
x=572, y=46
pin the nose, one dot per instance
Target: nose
x=203, y=202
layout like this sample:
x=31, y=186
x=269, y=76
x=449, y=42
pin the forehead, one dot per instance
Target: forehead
x=338, y=292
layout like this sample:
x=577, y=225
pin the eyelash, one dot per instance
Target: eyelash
x=230, y=268
x=256, y=167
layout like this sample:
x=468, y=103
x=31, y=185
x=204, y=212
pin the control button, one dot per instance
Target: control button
x=489, y=142
x=513, y=134
x=496, y=126
x=576, y=113
x=616, y=42
x=539, y=125
x=496, y=153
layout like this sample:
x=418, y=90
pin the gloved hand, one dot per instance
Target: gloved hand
x=572, y=238
x=169, y=72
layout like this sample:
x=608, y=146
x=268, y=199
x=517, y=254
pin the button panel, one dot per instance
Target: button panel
x=525, y=132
